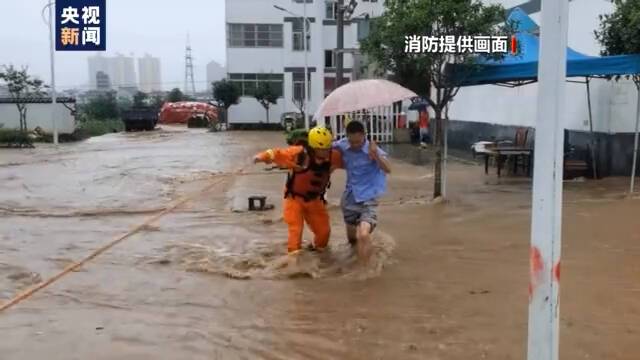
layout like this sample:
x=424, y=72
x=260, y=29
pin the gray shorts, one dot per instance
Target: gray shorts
x=354, y=212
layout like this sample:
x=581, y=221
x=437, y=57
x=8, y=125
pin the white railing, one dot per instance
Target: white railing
x=379, y=123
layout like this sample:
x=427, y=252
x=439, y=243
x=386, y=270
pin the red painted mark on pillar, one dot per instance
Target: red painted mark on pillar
x=535, y=268
x=514, y=46
x=556, y=271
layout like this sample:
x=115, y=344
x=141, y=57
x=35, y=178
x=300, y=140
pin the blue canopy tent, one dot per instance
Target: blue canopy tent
x=522, y=68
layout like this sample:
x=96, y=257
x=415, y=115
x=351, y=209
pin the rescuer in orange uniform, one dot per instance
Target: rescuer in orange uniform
x=310, y=167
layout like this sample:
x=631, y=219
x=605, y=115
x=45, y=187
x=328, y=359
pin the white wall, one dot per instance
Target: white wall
x=517, y=106
x=624, y=100
x=250, y=111
x=38, y=115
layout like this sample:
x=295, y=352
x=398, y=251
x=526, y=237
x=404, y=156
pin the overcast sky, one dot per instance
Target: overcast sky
x=133, y=26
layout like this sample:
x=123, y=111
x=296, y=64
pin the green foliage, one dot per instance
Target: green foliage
x=14, y=138
x=297, y=136
x=423, y=71
x=124, y=104
x=266, y=96
x=226, y=93
x=22, y=87
x=619, y=32
x=418, y=72
x=94, y=127
x=101, y=108
x=156, y=102
x=140, y=99
x=175, y=95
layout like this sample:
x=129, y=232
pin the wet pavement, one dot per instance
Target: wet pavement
x=448, y=281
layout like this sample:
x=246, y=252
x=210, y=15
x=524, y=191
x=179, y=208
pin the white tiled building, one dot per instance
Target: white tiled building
x=265, y=44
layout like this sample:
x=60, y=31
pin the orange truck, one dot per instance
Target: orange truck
x=185, y=112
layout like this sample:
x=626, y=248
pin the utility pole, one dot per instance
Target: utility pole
x=546, y=204
x=305, y=46
x=53, y=72
x=340, y=42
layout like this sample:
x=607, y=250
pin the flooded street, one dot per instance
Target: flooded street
x=448, y=281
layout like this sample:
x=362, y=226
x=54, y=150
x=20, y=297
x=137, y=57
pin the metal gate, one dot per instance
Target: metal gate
x=379, y=123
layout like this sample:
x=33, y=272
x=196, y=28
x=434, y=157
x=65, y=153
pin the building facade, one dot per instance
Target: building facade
x=150, y=74
x=98, y=64
x=264, y=44
x=120, y=69
x=102, y=81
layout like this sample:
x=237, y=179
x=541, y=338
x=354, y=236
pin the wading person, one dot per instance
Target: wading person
x=366, y=167
x=310, y=166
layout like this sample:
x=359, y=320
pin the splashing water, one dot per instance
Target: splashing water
x=264, y=259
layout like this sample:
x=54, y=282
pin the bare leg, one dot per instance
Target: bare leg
x=352, y=234
x=364, y=242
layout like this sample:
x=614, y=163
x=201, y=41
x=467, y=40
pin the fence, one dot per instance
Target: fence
x=379, y=123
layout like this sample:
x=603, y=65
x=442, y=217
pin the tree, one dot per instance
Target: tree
x=22, y=88
x=423, y=71
x=140, y=99
x=124, y=104
x=175, y=95
x=266, y=96
x=227, y=94
x=156, y=102
x=619, y=32
x=102, y=107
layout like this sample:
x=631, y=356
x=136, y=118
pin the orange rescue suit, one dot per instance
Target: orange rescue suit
x=307, y=182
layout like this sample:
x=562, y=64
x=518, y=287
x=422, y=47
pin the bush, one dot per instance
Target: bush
x=85, y=130
x=77, y=135
x=14, y=138
x=100, y=127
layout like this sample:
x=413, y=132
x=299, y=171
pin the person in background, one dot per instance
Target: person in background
x=366, y=167
x=424, y=126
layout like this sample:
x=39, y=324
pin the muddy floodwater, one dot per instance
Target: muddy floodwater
x=447, y=281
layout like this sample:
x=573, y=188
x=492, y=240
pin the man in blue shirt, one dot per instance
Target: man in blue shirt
x=366, y=166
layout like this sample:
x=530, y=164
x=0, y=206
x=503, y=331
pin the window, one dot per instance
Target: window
x=331, y=11
x=298, y=33
x=329, y=59
x=255, y=35
x=330, y=84
x=298, y=85
x=248, y=83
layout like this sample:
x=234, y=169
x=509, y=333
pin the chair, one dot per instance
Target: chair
x=520, y=141
x=521, y=137
x=576, y=163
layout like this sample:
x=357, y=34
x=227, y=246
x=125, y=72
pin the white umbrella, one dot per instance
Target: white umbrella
x=362, y=94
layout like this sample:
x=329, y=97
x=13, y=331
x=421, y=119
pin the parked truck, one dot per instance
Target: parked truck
x=140, y=118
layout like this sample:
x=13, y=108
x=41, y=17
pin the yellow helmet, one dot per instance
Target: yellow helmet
x=320, y=138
